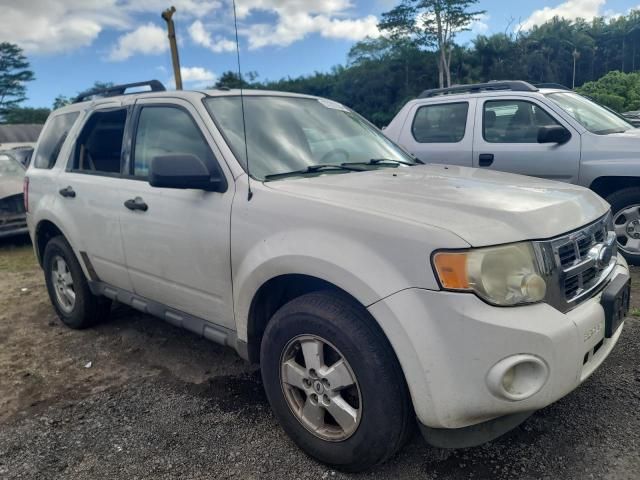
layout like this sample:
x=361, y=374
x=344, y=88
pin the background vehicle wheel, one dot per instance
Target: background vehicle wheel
x=68, y=290
x=334, y=383
x=625, y=205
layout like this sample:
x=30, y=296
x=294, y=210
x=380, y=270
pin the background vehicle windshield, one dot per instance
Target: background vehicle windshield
x=286, y=134
x=9, y=167
x=590, y=115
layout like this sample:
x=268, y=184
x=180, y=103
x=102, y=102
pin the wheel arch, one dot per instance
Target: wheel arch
x=606, y=185
x=276, y=292
x=45, y=230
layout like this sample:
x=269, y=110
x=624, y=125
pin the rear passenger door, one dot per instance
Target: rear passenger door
x=507, y=140
x=441, y=132
x=89, y=193
x=178, y=249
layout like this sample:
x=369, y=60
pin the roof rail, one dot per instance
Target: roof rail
x=559, y=86
x=513, y=85
x=154, y=85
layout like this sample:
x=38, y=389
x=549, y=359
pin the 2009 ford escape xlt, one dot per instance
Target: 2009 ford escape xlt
x=371, y=289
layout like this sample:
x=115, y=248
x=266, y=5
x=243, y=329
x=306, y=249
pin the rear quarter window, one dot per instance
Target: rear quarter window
x=52, y=139
x=441, y=123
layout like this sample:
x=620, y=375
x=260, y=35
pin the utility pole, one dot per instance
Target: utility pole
x=167, y=16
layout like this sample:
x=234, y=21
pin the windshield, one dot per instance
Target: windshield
x=290, y=134
x=591, y=116
x=9, y=167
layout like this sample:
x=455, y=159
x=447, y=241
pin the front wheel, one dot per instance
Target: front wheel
x=625, y=205
x=334, y=382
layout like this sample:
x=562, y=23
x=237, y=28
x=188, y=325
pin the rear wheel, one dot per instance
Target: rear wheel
x=625, y=205
x=334, y=382
x=68, y=289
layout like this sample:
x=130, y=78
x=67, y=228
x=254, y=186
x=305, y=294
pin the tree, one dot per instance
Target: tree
x=14, y=73
x=432, y=23
x=61, y=101
x=230, y=79
x=17, y=115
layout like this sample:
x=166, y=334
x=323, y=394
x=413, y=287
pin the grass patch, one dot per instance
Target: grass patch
x=635, y=312
x=17, y=259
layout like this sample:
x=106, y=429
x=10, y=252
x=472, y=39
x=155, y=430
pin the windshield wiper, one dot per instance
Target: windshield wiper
x=378, y=161
x=313, y=169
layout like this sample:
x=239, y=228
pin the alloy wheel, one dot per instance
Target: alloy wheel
x=63, y=284
x=320, y=388
x=626, y=224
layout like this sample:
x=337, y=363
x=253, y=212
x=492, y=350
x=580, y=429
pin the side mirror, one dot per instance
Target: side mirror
x=553, y=134
x=184, y=171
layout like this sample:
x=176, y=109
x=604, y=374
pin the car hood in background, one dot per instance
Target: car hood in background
x=480, y=206
x=10, y=186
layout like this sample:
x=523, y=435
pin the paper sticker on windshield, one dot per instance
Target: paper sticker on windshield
x=333, y=105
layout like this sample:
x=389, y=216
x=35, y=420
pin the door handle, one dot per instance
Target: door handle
x=67, y=192
x=486, y=159
x=136, y=204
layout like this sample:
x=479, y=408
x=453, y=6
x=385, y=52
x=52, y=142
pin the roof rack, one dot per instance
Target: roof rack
x=559, y=86
x=154, y=86
x=513, y=85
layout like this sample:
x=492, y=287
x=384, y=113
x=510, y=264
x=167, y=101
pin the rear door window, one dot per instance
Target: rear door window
x=98, y=149
x=52, y=139
x=442, y=123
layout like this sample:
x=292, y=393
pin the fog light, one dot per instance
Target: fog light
x=517, y=377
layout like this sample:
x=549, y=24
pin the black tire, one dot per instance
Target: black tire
x=387, y=416
x=621, y=200
x=88, y=309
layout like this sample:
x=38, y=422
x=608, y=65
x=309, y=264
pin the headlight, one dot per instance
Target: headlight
x=505, y=275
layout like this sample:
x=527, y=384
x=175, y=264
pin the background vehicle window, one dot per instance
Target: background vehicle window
x=9, y=167
x=99, y=146
x=514, y=121
x=52, y=139
x=164, y=131
x=444, y=123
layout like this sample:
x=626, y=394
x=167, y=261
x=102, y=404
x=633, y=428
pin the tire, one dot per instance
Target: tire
x=379, y=393
x=86, y=309
x=625, y=201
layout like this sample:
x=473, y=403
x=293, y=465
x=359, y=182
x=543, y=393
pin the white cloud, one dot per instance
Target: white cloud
x=480, y=25
x=57, y=26
x=571, y=9
x=148, y=39
x=53, y=26
x=197, y=74
x=297, y=19
x=201, y=37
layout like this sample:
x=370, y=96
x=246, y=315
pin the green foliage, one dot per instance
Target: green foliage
x=617, y=90
x=26, y=115
x=60, y=101
x=14, y=73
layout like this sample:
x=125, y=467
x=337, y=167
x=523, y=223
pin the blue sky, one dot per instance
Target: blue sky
x=72, y=43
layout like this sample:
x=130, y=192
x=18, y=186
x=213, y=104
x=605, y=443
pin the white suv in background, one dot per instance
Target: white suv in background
x=548, y=132
x=371, y=289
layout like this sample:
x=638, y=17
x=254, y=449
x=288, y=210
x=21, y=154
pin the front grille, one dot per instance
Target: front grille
x=12, y=205
x=577, y=264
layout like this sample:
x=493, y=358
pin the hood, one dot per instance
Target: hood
x=480, y=206
x=10, y=186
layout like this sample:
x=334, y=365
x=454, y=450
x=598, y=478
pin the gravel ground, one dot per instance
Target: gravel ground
x=136, y=398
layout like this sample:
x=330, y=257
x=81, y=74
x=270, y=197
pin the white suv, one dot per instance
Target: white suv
x=548, y=132
x=371, y=289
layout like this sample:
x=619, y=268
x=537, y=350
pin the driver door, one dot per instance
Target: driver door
x=178, y=249
x=506, y=139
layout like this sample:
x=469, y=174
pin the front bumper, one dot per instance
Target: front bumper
x=447, y=343
x=13, y=225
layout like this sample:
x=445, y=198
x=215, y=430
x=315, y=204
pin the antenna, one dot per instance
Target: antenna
x=244, y=122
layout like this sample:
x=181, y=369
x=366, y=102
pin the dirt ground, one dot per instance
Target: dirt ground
x=137, y=398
